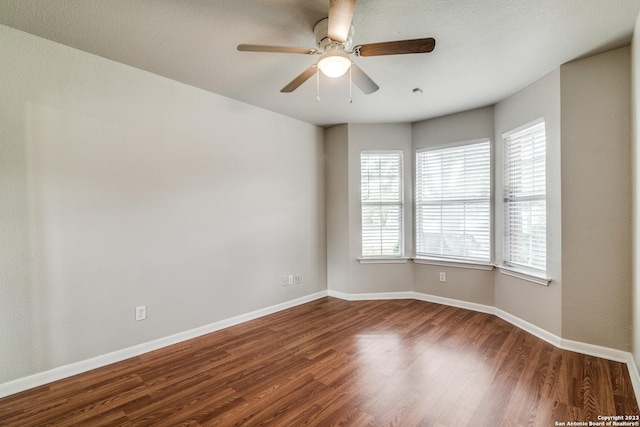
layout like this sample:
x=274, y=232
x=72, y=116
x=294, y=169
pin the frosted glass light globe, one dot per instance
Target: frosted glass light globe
x=334, y=64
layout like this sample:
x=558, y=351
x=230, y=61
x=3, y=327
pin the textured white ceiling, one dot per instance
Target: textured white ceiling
x=485, y=49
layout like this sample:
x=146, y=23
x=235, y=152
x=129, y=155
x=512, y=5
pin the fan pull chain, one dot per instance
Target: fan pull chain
x=317, y=84
x=350, y=92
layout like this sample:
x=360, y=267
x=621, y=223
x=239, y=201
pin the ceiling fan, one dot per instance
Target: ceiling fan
x=334, y=39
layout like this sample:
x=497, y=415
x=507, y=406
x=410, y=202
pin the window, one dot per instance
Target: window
x=525, y=207
x=382, y=209
x=453, y=202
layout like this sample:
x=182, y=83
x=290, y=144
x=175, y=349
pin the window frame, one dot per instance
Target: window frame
x=400, y=257
x=510, y=267
x=484, y=263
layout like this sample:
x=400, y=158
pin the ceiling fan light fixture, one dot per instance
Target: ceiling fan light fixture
x=334, y=39
x=334, y=64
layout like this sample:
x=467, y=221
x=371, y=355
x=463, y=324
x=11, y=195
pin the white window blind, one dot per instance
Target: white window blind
x=453, y=202
x=382, y=210
x=525, y=206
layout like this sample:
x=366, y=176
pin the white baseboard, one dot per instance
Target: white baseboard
x=565, y=344
x=543, y=334
x=454, y=303
x=41, y=378
x=371, y=296
x=61, y=372
x=635, y=376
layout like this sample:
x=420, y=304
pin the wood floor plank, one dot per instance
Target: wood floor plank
x=334, y=362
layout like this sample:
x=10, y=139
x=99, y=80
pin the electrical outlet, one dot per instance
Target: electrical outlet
x=298, y=279
x=141, y=312
x=285, y=280
x=443, y=277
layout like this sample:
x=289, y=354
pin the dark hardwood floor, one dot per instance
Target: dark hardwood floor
x=337, y=363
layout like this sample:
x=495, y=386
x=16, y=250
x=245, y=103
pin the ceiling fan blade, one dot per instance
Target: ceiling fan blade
x=340, y=17
x=396, y=48
x=276, y=49
x=362, y=80
x=303, y=77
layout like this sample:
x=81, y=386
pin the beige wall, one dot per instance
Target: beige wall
x=463, y=284
x=344, y=246
x=585, y=105
x=536, y=304
x=337, y=199
x=635, y=101
x=378, y=277
x=18, y=356
x=596, y=199
x=121, y=188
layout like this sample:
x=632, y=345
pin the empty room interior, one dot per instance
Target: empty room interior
x=319, y=212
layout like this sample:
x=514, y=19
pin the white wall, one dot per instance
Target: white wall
x=536, y=304
x=122, y=188
x=596, y=199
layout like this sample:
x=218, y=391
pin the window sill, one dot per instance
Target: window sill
x=508, y=271
x=456, y=264
x=524, y=275
x=389, y=260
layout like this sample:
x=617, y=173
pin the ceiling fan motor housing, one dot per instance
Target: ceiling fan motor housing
x=321, y=31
